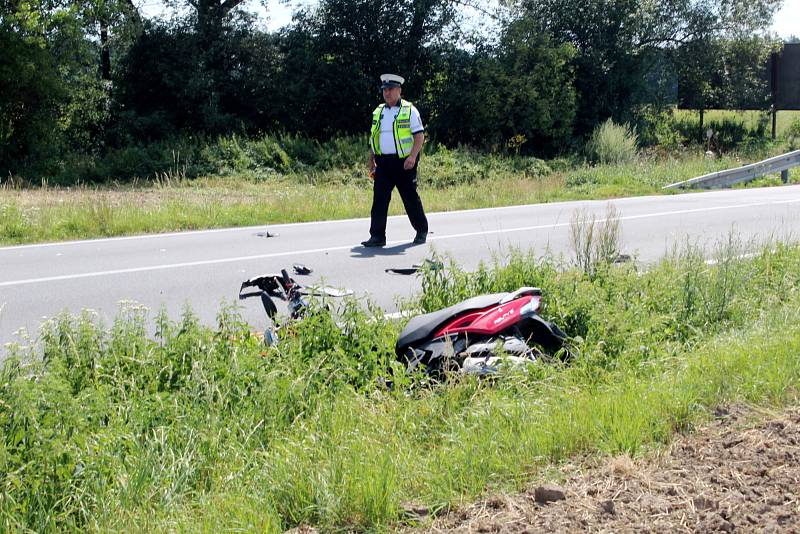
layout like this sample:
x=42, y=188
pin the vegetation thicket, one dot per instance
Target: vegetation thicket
x=95, y=91
x=202, y=429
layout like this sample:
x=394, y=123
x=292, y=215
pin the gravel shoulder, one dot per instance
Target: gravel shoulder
x=738, y=473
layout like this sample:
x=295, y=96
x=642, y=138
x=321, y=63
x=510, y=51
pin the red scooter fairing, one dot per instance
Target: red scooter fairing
x=492, y=320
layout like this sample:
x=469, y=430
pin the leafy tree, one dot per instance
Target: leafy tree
x=55, y=69
x=29, y=95
x=165, y=87
x=620, y=41
x=212, y=17
x=744, y=78
x=336, y=52
x=112, y=23
x=516, y=95
x=719, y=73
x=156, y=90
x=42, y=49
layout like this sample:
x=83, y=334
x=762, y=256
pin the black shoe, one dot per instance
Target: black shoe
x=374, y=242
x=420, y=238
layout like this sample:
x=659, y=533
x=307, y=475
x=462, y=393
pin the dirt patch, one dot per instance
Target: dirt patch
x=733, y=475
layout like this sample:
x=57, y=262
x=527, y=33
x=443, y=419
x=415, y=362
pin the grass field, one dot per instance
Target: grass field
x=207, y=430
x=29, y=215
x=751, y=119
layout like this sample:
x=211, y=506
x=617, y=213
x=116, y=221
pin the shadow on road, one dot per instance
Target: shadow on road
x=371, y=252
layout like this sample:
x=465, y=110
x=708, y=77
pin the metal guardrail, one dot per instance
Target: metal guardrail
x=746, y=173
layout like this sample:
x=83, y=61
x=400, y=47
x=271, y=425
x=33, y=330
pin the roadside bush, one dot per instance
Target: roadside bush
x=792, y=135
x=442, y=167
x=727, y=134
x=657, y=127
x=730, y=134
x=446, y=168
x=583, y=177
x=673, y=129
x=612, y=143
x=531, y=167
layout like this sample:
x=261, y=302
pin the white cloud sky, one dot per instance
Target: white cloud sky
x=787, y=20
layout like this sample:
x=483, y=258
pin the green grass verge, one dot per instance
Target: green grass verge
x=750, y=119
x=197, y=429
x=450, y=180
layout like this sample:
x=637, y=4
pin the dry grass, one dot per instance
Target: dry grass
x=730, y=474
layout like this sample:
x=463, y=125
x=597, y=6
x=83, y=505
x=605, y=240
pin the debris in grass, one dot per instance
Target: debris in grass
x=549, y=493
x=414, y=511
x=607, y=506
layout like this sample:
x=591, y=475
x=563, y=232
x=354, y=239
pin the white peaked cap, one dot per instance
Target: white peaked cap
x=391, y=80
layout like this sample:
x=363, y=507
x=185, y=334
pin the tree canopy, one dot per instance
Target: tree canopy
x=81, y=77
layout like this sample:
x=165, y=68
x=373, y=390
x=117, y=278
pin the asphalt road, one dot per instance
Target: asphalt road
x=204, y=269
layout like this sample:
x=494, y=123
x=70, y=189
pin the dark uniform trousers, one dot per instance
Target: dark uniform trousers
x=388, y=175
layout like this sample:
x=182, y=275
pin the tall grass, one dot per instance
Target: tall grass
x=596, y=244
x=750, y=119
x=197, y=428
x=612, y=143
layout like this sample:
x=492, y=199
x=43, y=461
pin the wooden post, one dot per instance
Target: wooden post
x=774, y=120
x=785, y=176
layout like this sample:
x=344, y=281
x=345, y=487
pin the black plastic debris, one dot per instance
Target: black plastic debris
x=402, y=270
x=267, y=234
x=299, y=268
x=432, y=265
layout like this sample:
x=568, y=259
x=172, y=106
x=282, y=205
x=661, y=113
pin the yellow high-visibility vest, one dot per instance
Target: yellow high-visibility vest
x=403, y=138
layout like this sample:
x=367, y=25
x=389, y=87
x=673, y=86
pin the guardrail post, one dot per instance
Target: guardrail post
x=785, y=176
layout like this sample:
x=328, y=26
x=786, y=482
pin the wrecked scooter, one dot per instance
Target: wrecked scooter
x=283, y=287
x=481, y=334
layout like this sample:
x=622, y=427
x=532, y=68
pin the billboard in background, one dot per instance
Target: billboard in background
x=780, y=85
x=785, y=77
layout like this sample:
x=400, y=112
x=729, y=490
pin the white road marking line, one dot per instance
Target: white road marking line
x=173, y=266
x=388, y=243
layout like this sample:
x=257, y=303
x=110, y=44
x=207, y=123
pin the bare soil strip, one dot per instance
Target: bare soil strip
x=735, y=474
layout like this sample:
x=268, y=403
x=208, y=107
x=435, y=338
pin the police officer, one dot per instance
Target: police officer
x=395, y=143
